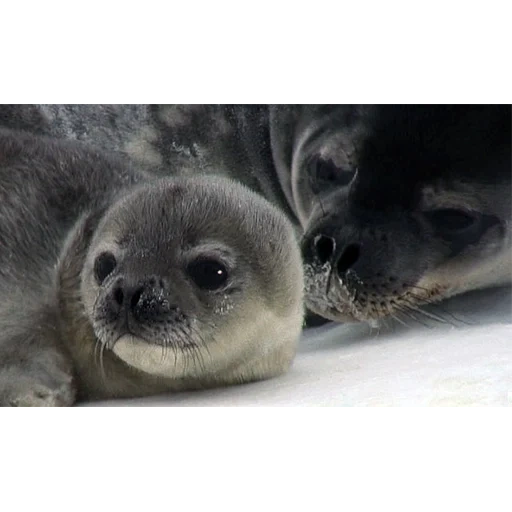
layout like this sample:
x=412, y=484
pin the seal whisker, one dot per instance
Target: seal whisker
x=202, y=344
x=162, y=357
x=102, y=367
x=203, y=322
x=432, y=316
x=393, y=315
x=97, y=357
x=200, y=356
x=193, y=357
x=406, y=310
x=419, y=309
x=434, y=304
x=397, y=318
x=393, y=312
x=175, y=352
x=167, y=349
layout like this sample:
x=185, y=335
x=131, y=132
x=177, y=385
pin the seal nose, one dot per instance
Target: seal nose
x=348, y=258
x=125, y=296
x=140, y=300
x=325, y=251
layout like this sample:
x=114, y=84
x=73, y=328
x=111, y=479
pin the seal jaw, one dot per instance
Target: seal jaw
x=342, y=303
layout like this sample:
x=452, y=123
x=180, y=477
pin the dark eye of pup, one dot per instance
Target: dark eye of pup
x=208, y=274
x=326, y=171
x=104, y=265
x=451, y=221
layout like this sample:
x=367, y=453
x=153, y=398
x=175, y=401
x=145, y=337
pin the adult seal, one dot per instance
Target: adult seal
x=118, y=284
x=400, y=205
x=397, y=205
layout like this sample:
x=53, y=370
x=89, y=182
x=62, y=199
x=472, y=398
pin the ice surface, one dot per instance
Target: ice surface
x=467, y=361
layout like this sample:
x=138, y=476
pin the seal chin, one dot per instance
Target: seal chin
x=158, y=360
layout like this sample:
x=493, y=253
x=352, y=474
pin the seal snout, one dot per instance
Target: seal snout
x=358, y=272
x=142, y=301
x=324, y=250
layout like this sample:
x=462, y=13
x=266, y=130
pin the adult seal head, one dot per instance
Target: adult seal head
x=400, y=205
x=142, y=286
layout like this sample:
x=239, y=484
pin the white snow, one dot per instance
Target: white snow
x=465, y=362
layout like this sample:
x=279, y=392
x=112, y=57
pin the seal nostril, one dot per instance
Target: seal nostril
x=135, y=298
x=119, y=296
x=324, y=246
x=348, y=257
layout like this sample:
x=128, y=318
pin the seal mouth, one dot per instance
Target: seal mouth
x=109, y=341
x=354, y=300
x=174, y=334
x=159, y=360
x=181, y=352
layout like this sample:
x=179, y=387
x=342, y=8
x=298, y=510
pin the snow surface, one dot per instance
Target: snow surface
x=466, y=361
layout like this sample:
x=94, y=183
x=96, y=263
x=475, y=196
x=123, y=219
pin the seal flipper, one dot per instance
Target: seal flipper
x=34, y=370
x=35, y=367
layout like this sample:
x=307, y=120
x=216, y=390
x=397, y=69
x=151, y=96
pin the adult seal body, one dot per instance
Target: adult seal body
x=116, y=284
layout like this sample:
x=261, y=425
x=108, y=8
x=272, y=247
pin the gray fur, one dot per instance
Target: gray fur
x=167, y=139
x=411, y=161
x=62, y=203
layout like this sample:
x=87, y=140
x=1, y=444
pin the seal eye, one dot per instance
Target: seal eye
x=327, y=172
x=208, y=274
x=103, y=266
x=451, y=221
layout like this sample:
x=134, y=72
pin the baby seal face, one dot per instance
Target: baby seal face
x=195, y=278
x=401, y=205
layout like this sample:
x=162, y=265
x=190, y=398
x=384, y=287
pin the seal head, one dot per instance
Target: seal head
x=195, y=282
x=401, y=205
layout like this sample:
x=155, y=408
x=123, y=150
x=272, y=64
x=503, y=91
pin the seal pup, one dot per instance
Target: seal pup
x=118, y=284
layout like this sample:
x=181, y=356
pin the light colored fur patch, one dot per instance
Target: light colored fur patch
x=142, y=149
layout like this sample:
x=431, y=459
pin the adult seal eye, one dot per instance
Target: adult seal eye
x=327, y=172
x=450, y=221
x=104, y=265
x=208, y=274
